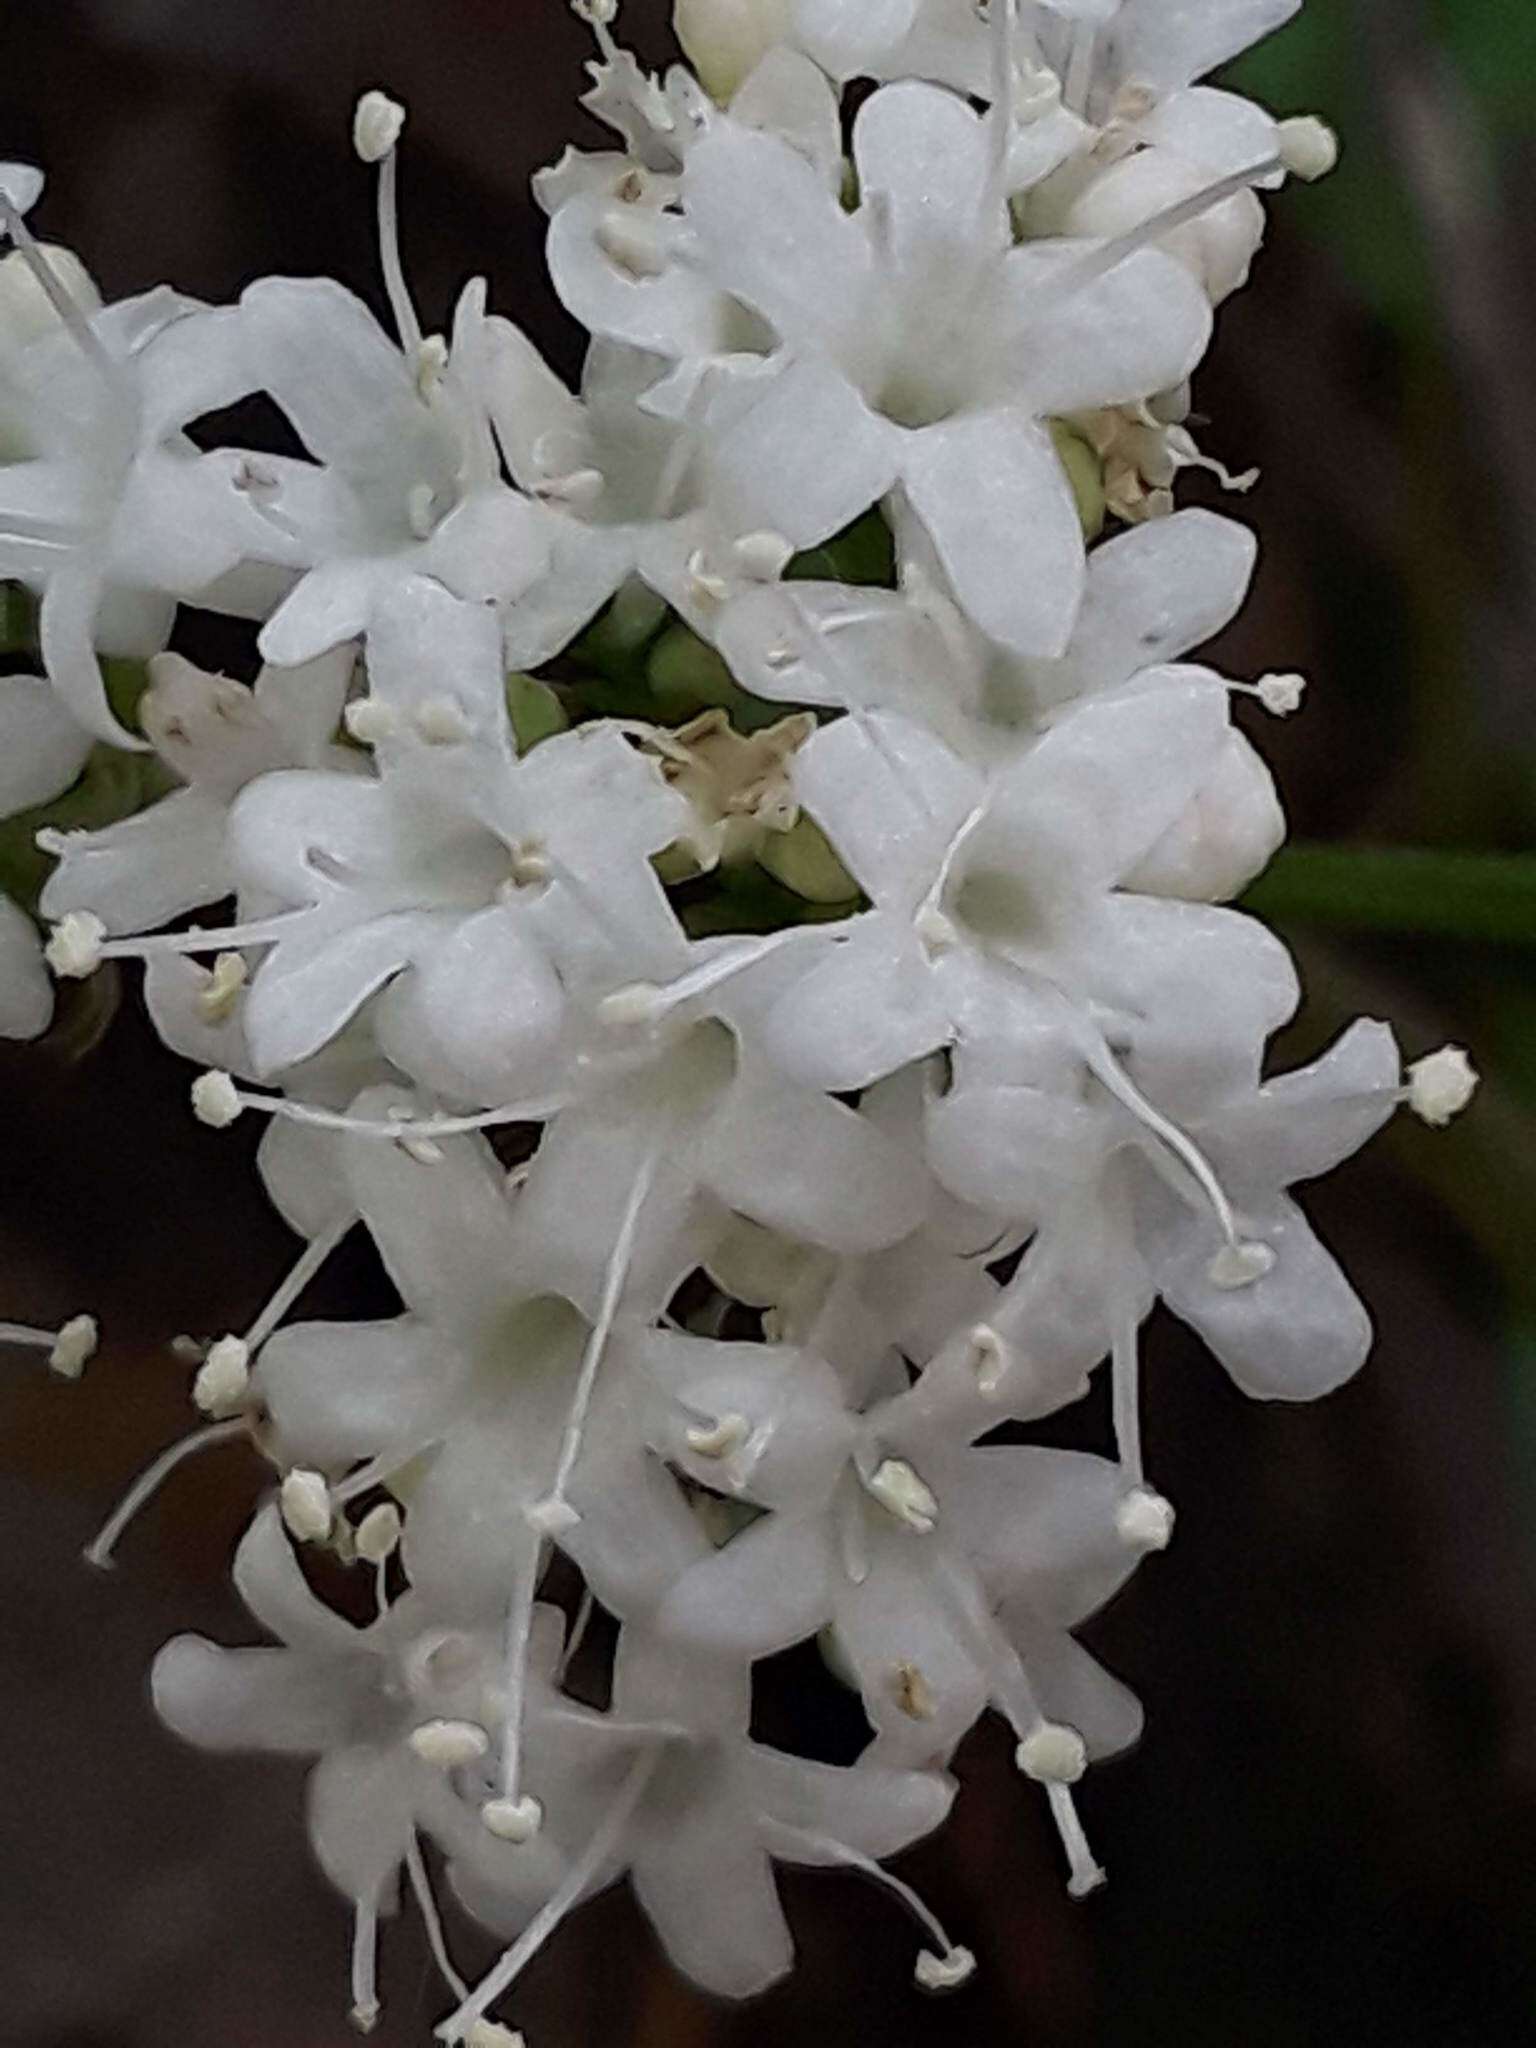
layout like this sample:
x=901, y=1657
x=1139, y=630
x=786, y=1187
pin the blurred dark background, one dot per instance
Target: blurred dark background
x=1325, y=1837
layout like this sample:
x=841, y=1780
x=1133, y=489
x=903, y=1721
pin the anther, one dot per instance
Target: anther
x=1441, y=1085
x=217, y=998
x=721, y=1439
x=513, y=1820
x=936, y=931
x=1309, y=149
x=551, y=1516
x=431, y=364
x=376, y=126
x=74, y=1347
x=441, y=722
x=305, y=1500
x=902, y=1493
x=224, y=1378
x=578, y=492
x=215, y=1099
x=1052, y=1754
x=988, y=1359
x=946, y=1972
x=1144, y=1520
x=421, y=510
x=492, y=2034
x=448, y=1745
x=74, y=946
x=378, y=1533
x=369, y=720
x=1240, y=1264
x=912, y=1692
x=763, y=557
x=642, y=1002
x=1281, y=694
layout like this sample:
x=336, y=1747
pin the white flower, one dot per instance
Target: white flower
x=460, y=874
x=216, y=736
x=404, y=480
x=112, y=513
x=918, y=347
x=42, y=750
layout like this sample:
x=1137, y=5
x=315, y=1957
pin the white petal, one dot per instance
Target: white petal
x=268, y=1579
x=676, y=313
x=1137, y=330
x=26, y=992
x=66, y=630
x=890, y=797
x=806, y=460
x=147, y=869
x=1171, y=42
x=362, y=1808
x=22, y=185
x=1158, y=591
x=250, y=1699
x=341, y=1392
x=924, y=159
x=42, y=749
x=994, y=498
x=314, y=982
x=708, y=1891
x=862, y=1013
x=788, y=95
x=847, y=37
x=772, y=234
x=330, y=604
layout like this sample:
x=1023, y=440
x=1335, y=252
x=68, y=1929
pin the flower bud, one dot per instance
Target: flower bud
x=725, y=40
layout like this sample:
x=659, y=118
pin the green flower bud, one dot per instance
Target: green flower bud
x=1085, y=473
x=535, y=711
x=803, y=860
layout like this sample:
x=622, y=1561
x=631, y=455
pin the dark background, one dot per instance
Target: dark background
x=1325, y=1837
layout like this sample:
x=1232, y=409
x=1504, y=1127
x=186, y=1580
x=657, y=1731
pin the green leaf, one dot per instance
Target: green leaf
x=1489, y=897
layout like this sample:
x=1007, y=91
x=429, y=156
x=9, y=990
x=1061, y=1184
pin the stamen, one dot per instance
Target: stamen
x=365, y=1962
x=1240, y=1261
x=1309, y=148
x=1281, y=695
x=77, y=947
x=70, y=1348
x=722, y=1438
x=582, y=1872
x=515, y=1680
x=554, y=1513
x=304, y=1269
x=1055, y=1756
x=148, y=1484
x=586, y=1608
x=513, y=1820
x=1125, y=1381
x=648, y=1002
x=218, y=998
x=388, y=124
x=378, y=1534
x=1087, y=1874
x=943, y=1971
x=74, y=317
x=369, y=720
x=216, y=1100
x=431, y=1919
x=989, y=1360
x=1118, y=248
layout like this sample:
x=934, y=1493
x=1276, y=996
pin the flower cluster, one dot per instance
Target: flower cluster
x=729, y=872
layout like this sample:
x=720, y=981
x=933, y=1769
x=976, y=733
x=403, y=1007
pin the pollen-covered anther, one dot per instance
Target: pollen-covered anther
x=215, y=1099
x=1441, y=1085
x=1281, y=694
x=904, y=1494
x=1240, y=1264
x=946, y=1972
x=441, y=722
x=722, y=1438
x=305, y=1500
x=989, y=1359
x=370, y=719
x=763, y=557
x=513, y=1820
x=224, y=1378
x=530, y=865
x=221, y=992
x=74, y=946
x=448, y=1745
x=1144, y=1520
x=74, y=1347
x=376, y=126
x=1052, y=1754
x=378, y=1534
x=912, y=1692
x=1309, y=148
